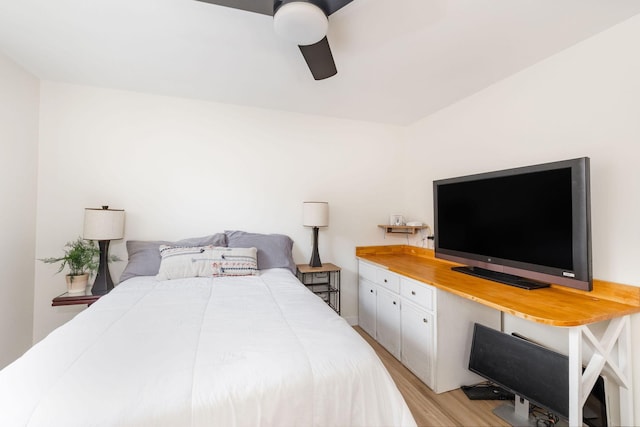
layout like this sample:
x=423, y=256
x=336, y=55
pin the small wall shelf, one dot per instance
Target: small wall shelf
x=402, y=229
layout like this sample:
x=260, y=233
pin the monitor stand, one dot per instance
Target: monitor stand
x=517, y=414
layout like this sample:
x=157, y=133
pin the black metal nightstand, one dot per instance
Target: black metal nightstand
x=323, y=281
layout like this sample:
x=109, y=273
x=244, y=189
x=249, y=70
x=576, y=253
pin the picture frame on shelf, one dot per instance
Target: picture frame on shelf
x=396, y=219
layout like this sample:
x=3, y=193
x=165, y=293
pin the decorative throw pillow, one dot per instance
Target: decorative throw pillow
x=234, y=262
x=274, y=250
x=179, y=262
x=144, y=256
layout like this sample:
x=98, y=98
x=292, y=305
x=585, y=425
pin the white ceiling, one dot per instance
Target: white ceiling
x=398, y=60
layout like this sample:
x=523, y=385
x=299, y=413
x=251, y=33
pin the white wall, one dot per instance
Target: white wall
x=18, y=170
x=584, y=101
x=183, y=168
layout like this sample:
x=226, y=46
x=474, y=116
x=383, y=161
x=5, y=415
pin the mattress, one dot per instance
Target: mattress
x=232, y=351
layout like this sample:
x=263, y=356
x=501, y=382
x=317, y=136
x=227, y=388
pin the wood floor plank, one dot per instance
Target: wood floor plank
x=448, y=409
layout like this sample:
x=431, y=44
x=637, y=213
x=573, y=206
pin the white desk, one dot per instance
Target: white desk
x=573, y=309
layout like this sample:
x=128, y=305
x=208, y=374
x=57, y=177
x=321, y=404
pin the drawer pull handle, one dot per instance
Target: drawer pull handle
x=371, y=290
x=394, y=303
x=425, y=320
x=385, y=280
x=413, y=292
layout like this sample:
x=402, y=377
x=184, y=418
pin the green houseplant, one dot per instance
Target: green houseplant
x=81, y=256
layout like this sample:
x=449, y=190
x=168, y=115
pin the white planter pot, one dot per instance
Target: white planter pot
x=77, y=284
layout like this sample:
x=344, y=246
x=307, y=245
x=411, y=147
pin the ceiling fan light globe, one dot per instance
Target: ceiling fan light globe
x=301, y=23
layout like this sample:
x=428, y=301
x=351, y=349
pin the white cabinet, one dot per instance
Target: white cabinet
x=388, y=280
x=427, y=329
x=367, y=306
x=417, y=320
x=388, y=320
x=418, y=293
x=417, y=341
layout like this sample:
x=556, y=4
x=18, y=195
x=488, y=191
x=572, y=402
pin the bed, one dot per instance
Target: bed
x=220, y=350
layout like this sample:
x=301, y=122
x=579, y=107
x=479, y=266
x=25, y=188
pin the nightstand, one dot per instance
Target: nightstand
x=73, y=299
x=323, y=281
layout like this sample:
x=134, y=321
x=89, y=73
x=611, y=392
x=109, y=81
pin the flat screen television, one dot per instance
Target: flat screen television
x=527, y=227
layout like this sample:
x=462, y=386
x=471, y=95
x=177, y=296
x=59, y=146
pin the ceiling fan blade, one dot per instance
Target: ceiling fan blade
x=267, y=7
x=319, y=59
x=264, y=7
x=333, y=5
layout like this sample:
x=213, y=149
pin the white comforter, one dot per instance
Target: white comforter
x=245, y=351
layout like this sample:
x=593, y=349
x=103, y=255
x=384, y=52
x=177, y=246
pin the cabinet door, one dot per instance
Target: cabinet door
x=388, y=320
x=418, y=341
x=367, y=306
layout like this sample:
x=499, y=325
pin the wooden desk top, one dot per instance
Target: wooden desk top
x=556, y=306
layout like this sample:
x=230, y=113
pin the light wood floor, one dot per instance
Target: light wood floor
x=430, y=409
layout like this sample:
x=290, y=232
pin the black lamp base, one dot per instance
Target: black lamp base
x=103, y=283
x=315, y=255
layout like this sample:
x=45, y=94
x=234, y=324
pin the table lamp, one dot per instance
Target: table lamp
x=315, y=214
x=103, y=225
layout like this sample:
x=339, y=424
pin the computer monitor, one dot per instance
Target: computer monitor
x=533, y=373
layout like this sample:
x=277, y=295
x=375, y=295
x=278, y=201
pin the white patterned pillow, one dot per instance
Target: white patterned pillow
x=178, y=262
x=234, y=261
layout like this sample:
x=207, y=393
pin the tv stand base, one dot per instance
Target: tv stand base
x=504, y=278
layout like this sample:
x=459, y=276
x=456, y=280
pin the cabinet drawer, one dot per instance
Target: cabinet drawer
x=418, y=293
x=388, y=280
x=367, y=271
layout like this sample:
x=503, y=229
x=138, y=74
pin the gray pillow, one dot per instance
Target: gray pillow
x=274, y=250
x=144, y=256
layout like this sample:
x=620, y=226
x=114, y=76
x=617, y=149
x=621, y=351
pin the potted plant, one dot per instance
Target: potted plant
x=82, y=258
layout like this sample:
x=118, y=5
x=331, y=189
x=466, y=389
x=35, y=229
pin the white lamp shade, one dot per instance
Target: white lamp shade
x=315, y=214
x=301, y=23
x=103, y=224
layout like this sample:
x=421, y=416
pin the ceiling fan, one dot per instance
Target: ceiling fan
x=303, y=22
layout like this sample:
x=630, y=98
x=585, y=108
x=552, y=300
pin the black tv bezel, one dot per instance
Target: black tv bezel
x=581, y=229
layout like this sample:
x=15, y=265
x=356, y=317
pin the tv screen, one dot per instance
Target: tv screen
x=531, y=222
x=526, y=369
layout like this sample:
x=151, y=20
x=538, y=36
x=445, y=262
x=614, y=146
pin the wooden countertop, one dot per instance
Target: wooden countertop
x=556, y=306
